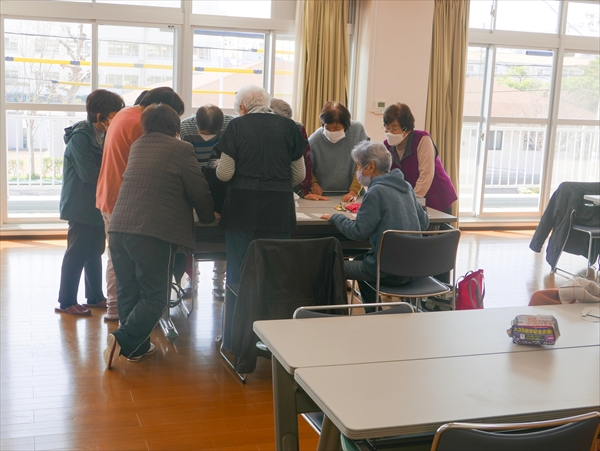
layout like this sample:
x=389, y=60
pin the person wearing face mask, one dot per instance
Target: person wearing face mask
x=331, y=145
x=85, y=237
x=390, y=203
x=203, y=131
x=415, y=154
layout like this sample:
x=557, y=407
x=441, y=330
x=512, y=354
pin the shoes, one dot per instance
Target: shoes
x=152, y=350
x=110, y=319
x=99, y=304
x=112, y=351
x=76, y=309
x=218, y=293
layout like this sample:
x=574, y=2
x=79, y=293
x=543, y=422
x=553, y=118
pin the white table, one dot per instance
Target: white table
x=417, y=396
x=321, y=342
x=593, y=198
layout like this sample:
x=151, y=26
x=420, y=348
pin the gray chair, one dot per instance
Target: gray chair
x=593, y=233
x=419, y=255
x=578, y=433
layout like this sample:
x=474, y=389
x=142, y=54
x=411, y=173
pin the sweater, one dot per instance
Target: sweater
x=161, y=184
x=332, y=164
x=203, y=149
x=124, y=129
x=389, y=204
x=82, y=160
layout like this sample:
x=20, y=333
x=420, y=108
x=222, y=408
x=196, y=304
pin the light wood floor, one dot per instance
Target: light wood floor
x=55, y=393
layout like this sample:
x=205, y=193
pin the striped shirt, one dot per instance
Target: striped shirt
x=204, y=149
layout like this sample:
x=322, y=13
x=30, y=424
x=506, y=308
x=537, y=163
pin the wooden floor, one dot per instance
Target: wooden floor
x=55, y=393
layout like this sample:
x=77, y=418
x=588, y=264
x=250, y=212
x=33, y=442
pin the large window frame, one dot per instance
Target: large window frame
x=561, y=44
x=181, y=19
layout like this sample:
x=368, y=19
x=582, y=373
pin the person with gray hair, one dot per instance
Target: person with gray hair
x=261, y=158
x=390, y=203
x=284, y=109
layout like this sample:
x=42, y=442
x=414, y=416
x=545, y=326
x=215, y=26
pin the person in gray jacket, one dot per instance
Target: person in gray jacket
x=152, y=217
x=389, y=204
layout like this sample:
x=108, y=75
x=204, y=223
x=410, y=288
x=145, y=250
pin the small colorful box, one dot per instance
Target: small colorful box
x=534, y=330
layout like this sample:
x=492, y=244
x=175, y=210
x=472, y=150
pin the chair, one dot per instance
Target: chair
x=574, y=433
x=278, y=276
x=592, y=232
x=420, y=255
x=317, y=419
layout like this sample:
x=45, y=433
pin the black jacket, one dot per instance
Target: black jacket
x=556, y=218
x=278, y=276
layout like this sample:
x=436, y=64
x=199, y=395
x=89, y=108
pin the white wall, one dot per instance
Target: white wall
x=394, y=47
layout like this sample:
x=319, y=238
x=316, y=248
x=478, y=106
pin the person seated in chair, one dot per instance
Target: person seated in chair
x=389, y=204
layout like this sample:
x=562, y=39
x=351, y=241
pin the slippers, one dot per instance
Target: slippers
x=99, y=304
x=78, y=310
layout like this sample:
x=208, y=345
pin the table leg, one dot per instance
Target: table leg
x=286, y=412
x=330, y=437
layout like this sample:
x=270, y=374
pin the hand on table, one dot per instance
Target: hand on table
x=217, y=216
x=312, y=196
x=315, y=188
x=350, y=197
x=326, y=217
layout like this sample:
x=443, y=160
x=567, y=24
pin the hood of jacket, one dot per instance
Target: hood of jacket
x=393, y=179
x=85, y=127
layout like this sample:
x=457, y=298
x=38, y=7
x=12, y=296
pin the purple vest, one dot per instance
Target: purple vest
x=441, y=193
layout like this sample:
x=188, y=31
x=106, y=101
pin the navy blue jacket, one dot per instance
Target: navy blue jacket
x=82, y=160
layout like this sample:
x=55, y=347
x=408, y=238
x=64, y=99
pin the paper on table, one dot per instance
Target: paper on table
x=302, y=216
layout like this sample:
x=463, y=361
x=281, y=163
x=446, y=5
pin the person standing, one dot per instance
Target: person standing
x=85, y=237
x=125, y=129
x=151, y=219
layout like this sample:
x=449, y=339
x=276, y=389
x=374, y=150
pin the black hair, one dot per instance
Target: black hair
x=160, y=118
x=335, y=112
x=401, y=113
x=103, y=102
x=209, y=118
x=164, y=95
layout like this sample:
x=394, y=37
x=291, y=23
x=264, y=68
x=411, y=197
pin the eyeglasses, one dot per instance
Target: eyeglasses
x=395, y=129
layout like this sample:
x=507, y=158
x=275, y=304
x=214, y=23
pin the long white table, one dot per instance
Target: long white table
x=417, y=396
x=359, y=340
x=593, y=198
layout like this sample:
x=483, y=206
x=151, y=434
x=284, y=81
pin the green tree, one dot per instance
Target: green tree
x=583, y=90
x=518, y=78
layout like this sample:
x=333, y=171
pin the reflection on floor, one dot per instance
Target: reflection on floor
x=55, y=393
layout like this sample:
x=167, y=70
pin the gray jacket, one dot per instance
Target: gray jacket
x=161, y=184
x=390, y=204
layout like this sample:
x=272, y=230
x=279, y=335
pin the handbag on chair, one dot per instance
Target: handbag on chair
x=470, y=291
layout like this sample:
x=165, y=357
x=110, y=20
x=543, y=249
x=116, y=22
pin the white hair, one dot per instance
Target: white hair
x=366, y=151
x=281, y=107
x=251, y=96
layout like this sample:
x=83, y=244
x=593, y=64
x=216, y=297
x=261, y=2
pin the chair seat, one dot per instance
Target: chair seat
x=594, y=231
x=421, y=287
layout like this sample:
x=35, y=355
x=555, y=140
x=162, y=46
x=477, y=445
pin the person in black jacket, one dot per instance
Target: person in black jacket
x=152, y=218
x=85, y=238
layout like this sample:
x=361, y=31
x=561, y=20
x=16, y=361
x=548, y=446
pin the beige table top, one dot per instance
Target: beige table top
x=359, y=339
x=416, y=396
x=593, y=197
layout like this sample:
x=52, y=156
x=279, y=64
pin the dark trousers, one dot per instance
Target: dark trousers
x=85, y=246
x=143, y=268
x=236, y=243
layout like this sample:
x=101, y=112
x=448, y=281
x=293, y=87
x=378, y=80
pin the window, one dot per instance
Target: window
x=159, y=51
x=284, y=67
x=132, y=81
x=156, y=80
x=583, y=19
x=233, y=60
x=239, y=8
x=532, y=16
x=495, y=141
x=123, y=49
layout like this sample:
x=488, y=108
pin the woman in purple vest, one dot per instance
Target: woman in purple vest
x=415, y=154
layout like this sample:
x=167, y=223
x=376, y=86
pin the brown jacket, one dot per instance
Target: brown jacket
x=161, y=184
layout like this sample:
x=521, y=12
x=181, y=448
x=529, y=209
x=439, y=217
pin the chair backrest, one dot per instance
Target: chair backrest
x=418, y=254
x=577, y=433
x=315, y=310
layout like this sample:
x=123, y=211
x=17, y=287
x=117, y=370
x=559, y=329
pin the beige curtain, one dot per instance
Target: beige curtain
x=447, y=73
x=325, y=71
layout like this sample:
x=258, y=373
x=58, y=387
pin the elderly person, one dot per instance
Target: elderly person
x=415, y=154
x=331, y=145
x=151, y=218
x=86, y=238
x=284, y=109
x=261, y=158
x=390, y=203
x=124, y=130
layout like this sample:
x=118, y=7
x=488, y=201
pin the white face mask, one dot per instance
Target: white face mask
x=362, y=179
x=394, y=140
x=207, y=137
x=334, y=136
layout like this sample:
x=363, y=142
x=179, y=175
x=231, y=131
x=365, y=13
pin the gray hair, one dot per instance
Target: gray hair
x=251, y=96
x=366, y=151
x=281, y=107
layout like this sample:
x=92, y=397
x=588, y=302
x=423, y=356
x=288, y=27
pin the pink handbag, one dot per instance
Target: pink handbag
x=470, y=291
